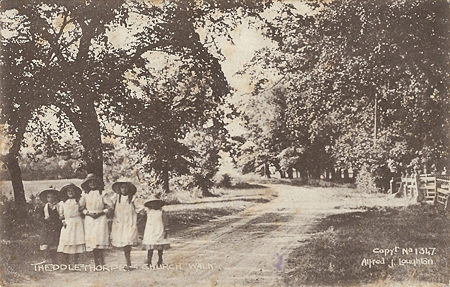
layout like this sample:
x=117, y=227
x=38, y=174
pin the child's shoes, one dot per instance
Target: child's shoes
x=129, y=268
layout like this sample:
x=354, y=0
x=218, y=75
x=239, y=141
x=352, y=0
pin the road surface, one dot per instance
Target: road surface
x=249, y=250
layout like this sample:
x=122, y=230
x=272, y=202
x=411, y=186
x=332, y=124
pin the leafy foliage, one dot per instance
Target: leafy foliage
x=349, y=65
x=59, y=53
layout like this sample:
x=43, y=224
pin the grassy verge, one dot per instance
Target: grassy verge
x=338, y=253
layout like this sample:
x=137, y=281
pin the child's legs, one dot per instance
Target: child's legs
x=65, y=258
x=96, y=257
x=127, y=252
x=53, y=255
x=160, y=254
x=75, y=258
x=46, y=253
x=99, y=258
x=149, y=256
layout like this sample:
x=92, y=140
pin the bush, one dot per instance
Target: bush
x=225, y=181
x=182, y=183
x=20, y=224
x=20, y=234
x=366, y=181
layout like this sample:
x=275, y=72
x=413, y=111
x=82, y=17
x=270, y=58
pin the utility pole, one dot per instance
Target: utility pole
x=375, y=118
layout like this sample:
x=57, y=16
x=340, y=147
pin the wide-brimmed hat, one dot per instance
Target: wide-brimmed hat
x=64, y=189
x=152, y=201
x=131, y=187
x=91, y=177
x=51, y=190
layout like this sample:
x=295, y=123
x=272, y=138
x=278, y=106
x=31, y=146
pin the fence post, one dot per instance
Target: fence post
x=391, y=185
x=401, y=189
x=415, y=189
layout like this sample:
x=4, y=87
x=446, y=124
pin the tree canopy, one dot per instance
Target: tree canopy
x=366, y=82
x=348, y=84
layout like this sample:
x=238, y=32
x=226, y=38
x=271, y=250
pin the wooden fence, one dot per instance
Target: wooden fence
x=425, y=188
x=443, y=192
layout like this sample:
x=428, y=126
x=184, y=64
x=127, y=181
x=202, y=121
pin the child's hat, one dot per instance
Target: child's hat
x=51, y=190
x=131, y=187
x=153, y=200
x=91, y=177
x=65, y=188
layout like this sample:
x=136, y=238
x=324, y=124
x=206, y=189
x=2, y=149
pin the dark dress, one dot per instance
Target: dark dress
x=52, y=228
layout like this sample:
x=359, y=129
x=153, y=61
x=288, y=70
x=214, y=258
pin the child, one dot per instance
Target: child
x=52, y=223
x=124, y=231
x=155, y=234
x=72, y=241
x=95, y=206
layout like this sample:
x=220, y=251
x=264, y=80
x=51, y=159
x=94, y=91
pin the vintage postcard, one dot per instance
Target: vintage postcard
x=225, y=143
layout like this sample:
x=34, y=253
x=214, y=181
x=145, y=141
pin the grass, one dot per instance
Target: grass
x=309, y=182
x=334, y=255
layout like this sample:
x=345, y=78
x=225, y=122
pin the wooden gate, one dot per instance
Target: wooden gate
x=443, y=192
x=426, y=188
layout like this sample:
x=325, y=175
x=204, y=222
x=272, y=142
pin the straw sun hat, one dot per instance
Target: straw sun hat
x=153, y=201
x=131, y=187
x=43, y=195
x=64, y=189
x=91, y=177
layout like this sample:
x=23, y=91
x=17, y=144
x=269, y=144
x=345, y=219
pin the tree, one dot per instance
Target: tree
x=51, y=60
x=71, y=64
x=264, y=116
x=364, y=72
x=186, y=93
x=402, y=91
x=166, y=106
x=204, y=144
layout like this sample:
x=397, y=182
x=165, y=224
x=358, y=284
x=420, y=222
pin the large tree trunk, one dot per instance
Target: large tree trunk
x=92, y=143
x=316, y=172
x=12, y=163
x=88, y=127
x=266, y=170
x=290, y=173
x=303, y=171
x=346, y=177
x=165, y=180
x=11, y=160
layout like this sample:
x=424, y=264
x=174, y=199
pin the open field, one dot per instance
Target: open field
x=34, y=187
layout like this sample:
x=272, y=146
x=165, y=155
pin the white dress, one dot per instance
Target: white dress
x=124, y=227
x=96, y=230
x=154, y=230
x=72, y=239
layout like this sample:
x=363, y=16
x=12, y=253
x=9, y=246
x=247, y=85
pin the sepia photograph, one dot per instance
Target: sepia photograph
x=225, y=143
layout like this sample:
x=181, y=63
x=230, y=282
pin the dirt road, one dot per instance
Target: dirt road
x=248, y=251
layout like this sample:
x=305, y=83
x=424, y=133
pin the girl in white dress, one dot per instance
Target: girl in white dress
x=155, y=234
x=124, y=231
x=95, y=206
x=71, y=241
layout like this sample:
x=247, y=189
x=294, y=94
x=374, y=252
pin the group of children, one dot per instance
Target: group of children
x=76, y=221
